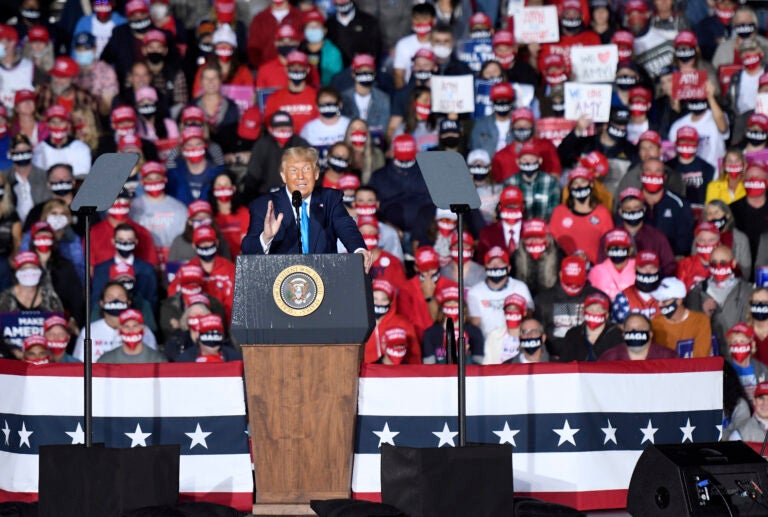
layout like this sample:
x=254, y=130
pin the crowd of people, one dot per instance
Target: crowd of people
x=640, y=238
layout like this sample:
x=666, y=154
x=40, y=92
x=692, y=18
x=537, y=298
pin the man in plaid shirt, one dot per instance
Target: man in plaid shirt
x=540, y=189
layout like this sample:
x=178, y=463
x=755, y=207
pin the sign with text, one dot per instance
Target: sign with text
x=19, y=325
x=554, y=129
x=475, y=52
x=591, y=100
x=761, y=105
x=655, y=59
x=689, y=85
x=537, y=25
x=241, y=95
x=453, y=94
x=594, y=63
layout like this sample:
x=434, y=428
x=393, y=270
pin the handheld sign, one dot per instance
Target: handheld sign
x=689, y=85
x=453, y=94
x=761, y=106
x=554, y=129
x=537, y=25
x=592, y=100
x=594, y=63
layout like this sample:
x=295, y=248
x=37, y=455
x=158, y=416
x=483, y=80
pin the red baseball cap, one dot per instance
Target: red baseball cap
x=297, y=57
x=40, y=227
x=480, y=18
x=502, y=91
x=511, y=195
x=517, y=301
x=34, y=340
x=367, y=220
x=686, y=39
x=363, y=61
x=573, y=270
x=630, y=192
x=349, y=182
x=190, y=274
x=426, y=258
x=553, y=60
x=56, y=111
x=190, y=132
x=636, y=6
x=595, y=162
x=39, y=33
x=131, y=315
x=741, y=328
x=136, y=6
x=533, y=228
x=647, y=258
x=250, y=124
x=155, y=36
x=522, y=114
x=9, y=32
x=761, y=389
x=503, y=37
x=25, y=257
x=623, y=38
x=203, y=233
x=199, y=206
x=123, y=113
x=706, y=226
x=467, y=239
x=225, y=10
x=580, y=172
x=567, y=5
x=404, y=148
x=758, y=119
x=384, y=286
x=529, y=147
x=24, y=95
x=152, y=168
x=313, y=15
x=598, y=298
x=650, y=136
x=639, y=91
x=618, y=237
x=447, y=293
x=286, y=31
x=119, y=269
x=425, y=53
x=192, y=113
x=127, y=142
x=52, y=321
x=496, y=252
x=687, y=133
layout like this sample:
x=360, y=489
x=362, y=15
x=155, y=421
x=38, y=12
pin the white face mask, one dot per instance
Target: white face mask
x=57, y=221
x=29, y=277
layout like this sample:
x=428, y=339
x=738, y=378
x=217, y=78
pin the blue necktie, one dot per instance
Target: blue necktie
x=304, y=227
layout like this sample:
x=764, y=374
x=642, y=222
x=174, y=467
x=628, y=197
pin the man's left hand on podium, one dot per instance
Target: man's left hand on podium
x=367, y=258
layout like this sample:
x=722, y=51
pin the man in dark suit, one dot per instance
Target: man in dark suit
x=273, y=222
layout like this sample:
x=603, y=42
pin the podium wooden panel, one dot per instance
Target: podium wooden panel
x=302, y=401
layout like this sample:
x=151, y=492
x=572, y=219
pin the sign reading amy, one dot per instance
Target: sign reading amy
x=591, y=100
x=689, y=85
x=537, y=25
x=453, y=94
x=594, y=63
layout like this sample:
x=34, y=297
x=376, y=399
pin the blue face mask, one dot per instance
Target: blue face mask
x=84, y=57
x=314, y=35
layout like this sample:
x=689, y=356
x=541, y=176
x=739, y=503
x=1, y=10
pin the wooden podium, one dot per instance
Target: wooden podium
x=301, y=320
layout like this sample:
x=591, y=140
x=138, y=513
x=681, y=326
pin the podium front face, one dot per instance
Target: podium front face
x=301, y=320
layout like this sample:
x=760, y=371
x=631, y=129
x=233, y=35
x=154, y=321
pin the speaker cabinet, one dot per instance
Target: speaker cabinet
x=699, y=479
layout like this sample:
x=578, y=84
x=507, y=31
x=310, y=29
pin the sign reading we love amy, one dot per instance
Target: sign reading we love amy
x=590, y=100
x=537, y=25
x=594, y=63
x=689, y=85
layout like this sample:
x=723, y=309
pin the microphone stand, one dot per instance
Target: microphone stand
x=296, y=202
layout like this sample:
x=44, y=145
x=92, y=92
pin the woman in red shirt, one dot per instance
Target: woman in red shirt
x=579, y=224
x=231, y=217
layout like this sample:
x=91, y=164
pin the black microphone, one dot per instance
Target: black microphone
x=296, y=202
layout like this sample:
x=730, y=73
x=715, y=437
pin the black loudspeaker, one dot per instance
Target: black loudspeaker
x=695, y=479
x=443, y=482
x=76, y=481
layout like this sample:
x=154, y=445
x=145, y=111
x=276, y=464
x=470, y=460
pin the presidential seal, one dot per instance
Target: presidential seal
x=298, y=290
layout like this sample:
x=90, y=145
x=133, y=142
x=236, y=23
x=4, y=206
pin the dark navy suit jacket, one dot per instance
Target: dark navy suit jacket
x=328, y=221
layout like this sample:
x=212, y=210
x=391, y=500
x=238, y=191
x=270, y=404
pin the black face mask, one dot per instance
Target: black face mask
x=338, y=164
x=422, y=76
x=479, y=172
x=697, y=107
x=205, y=48
x=502, y=108
x=380, y=310
x=756, y=138
x=580, y=194
x=451, y=142
x=114, y=308
x=759, y=311
x=669, y=310
x=22, y=159
x=147, y=110
x=529, y=170
x=345, y=8
x=744, y=30
x=62, y=188
x=2, y=193
x=125, y=249
x=31, y=15
x=633, y=218
x=211, y=339
x=141, y=26
x=365, y=79
x=636, y=338
x=404, y=164
x=617, y=254
x=480, y=34
x=572, y=24
x=626, y=82
x=647, y=283
x=155, y=57
x=720, y=223
x=129, y=285
x=558, y=108
x=297, y=77
x=497, y=273
x=329, y=110
x=206, y=254
x=522, y=134
x=284, y=50
x=531, y=344
x=616, y=132
x=685, y=54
